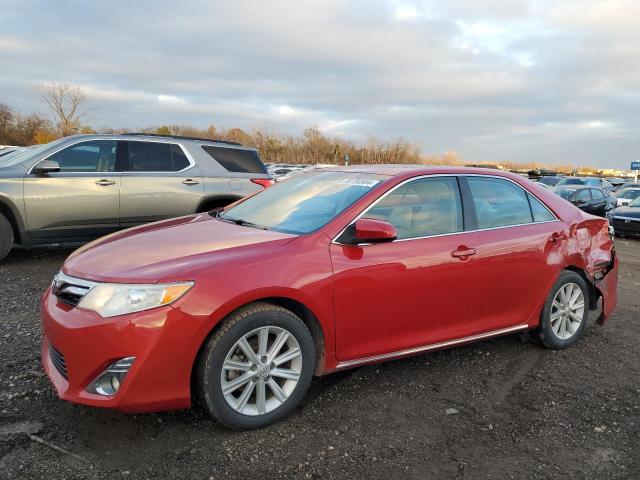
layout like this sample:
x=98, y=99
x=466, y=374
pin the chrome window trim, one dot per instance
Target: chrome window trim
x=455, y=175
x=430, y=346
x=192, y=162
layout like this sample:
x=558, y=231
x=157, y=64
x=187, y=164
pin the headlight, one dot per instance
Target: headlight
x=111, y=299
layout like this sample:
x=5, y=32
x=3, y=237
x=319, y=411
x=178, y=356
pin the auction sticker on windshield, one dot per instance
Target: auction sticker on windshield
x=360, y=182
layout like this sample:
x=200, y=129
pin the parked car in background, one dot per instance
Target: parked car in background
x=328, y=270
x=616, y=182
x=627, y=185
x=81, y=187
x=587, y=181
x=7, y=150
x=626, y=195
x=277, y=170
x=595, y=201
x=625, y=220
x=550, y=180
x=541, y=172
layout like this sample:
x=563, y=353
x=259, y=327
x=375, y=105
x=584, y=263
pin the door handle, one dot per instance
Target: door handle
x=463, y=252
x=105, y=183
x=190, y=181
x=554, y=239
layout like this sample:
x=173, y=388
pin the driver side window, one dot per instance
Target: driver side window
x=421, y=208
x=93, y=156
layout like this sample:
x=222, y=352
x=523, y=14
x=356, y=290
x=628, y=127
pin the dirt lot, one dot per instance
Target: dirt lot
x=523, y=411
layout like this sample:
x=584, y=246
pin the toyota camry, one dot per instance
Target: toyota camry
x=331, y=269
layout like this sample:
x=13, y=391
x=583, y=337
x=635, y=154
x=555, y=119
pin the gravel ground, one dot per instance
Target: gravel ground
x=503, y=408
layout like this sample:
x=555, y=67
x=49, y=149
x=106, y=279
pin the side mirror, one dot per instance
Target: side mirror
x=368, y=230
x=47, y=166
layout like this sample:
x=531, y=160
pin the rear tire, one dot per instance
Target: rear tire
x=246, y=382
x=6, y=237
x=565, y=312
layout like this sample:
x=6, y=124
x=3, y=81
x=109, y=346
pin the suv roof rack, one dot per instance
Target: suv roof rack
x=180, y=137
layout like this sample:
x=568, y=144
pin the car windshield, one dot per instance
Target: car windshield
x=565, y=192
x=303, y=203
x=629, y=194
x=635, y=203
x=570, y=181
x=551, y=181
x=593, y=182
x=19, y=156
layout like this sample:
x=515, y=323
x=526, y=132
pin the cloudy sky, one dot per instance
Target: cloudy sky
x=553, y=81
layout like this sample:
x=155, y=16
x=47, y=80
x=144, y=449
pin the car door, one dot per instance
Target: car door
x=81, y=200
x=599, y=202
x=412, y=291
x=160, y=180
x=517, y=241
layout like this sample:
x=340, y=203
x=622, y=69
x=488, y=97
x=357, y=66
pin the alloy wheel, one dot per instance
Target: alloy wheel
x=567, y=311
x=261, y=370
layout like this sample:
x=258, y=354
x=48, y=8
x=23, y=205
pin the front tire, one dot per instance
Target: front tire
x=6, y=237
x=257, y=367
x=565, y=312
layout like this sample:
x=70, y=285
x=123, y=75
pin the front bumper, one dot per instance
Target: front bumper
x=162, y=340
x=626, y=226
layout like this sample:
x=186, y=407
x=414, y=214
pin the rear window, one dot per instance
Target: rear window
x=499, y=203
x=570, y=181
x=565, y=193
x=236, y=159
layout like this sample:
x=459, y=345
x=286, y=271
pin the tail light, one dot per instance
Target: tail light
x=263, y=182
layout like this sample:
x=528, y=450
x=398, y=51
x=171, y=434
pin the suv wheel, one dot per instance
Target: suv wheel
x=257, y=367
x=6, y=236
x=565, y=312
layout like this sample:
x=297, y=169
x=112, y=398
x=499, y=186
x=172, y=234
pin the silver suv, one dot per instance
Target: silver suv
x=81, y=187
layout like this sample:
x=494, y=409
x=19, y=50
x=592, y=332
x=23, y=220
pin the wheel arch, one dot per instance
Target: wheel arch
x=9, y=210
x=296, y=306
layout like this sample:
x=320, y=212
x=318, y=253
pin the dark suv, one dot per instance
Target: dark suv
x=81, y=187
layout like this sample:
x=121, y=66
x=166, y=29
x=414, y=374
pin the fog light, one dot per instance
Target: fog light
x=108, y=382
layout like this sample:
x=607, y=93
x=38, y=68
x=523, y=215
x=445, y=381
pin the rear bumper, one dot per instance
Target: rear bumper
x=607, y=287
x=161, y=340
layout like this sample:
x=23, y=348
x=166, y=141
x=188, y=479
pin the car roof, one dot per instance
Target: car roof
x=577, y=187
x=393, y=170
x=155, y=137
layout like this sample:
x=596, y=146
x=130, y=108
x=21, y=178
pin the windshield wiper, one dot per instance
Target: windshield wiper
x=239, y=221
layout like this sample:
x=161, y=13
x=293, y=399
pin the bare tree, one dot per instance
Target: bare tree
x=67, y=103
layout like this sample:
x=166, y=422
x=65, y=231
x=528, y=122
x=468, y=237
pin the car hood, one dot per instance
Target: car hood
x=630, y=212
x=169, y=250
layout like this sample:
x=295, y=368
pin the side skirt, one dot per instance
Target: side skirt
x=427, y=348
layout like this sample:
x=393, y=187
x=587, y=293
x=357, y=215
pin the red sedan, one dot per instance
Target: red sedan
x=328, y=270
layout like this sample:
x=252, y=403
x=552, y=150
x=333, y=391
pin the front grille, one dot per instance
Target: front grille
x=69, y=296
x=58, y=361
x=70, y=290
x=622, y=227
